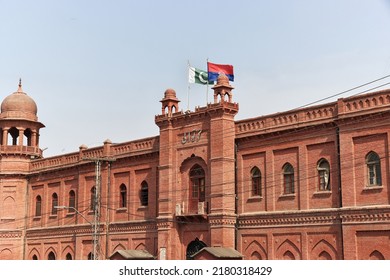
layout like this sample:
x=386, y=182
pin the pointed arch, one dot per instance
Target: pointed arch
x=34, y=255
x=322, y=247
x=288, y=249
x=288, y=255
x=140, y=246
x=118, y=247
x=255, y=256
x=51, y=256
x=68, y=253
x=256, y=251
x=9, y=207
x=376, y=255
x=324, y=256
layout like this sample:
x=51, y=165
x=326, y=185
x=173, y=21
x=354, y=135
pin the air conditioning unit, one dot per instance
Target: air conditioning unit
x=201, y=208
x=178, y=209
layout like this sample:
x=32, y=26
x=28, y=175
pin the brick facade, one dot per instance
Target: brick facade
x=310, y=183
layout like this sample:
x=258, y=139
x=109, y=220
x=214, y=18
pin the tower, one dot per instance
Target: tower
x=222, y=216
x=196, y=205
x=19, y=139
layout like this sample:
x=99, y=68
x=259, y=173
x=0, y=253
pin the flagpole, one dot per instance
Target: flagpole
x=188, y=88
x=207, y=85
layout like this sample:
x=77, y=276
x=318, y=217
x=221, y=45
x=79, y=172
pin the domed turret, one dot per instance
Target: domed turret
x=170, y=94
x=170, y=103
x=222, y=89
x=19, y=105
x=19, y=126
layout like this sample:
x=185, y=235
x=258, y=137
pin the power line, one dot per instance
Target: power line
x=349, y=90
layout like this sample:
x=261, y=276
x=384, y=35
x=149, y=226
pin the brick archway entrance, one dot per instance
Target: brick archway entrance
x=194, y=246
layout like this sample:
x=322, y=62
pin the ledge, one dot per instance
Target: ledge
x=322, y=193
x=373, y=189
x=255, y=198
x=287, y=196
x=121, y=210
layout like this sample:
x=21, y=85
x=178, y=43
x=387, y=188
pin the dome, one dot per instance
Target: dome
x=222, y=82
x=170, y=94
x=222, y=79
x=19, y=105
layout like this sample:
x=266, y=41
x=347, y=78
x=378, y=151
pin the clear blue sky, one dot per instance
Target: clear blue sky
x=98, y=69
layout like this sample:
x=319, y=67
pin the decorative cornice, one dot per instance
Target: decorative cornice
x=61, y=231
x=143, y=226
x=366, y=215
x=222, y=220
x=10, y=234
x=288, y=219
x=345, y=216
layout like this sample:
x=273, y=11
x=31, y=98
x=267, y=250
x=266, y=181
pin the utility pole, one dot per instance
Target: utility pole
x=96, y=203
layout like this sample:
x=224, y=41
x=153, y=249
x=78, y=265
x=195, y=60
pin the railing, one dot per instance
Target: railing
x=24, y=150
x=315, y=114
x=146, y=145
x=290, y=118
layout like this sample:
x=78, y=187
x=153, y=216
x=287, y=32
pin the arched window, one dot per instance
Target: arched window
x=91, y=256
x=122, y=196
x=197, y=178
x=324, y=256
x=93, y=199
x=288, y=256
x=38, y=205
x=288, y=178
x=54, y=204
x=256, y=181
x=72, y=201
x=373, y=169
x=14, y=132
x=323, y=169
x=68, y=256
x=27, y=137
x=144, y=194
x=34, y=257
x=51, y=256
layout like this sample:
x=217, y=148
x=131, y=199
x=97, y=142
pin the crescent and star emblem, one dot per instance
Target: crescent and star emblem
x=200, y=76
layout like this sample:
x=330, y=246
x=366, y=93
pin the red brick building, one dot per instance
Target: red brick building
x=310, y=183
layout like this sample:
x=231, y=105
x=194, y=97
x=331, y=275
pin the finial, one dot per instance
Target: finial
x=20, y=85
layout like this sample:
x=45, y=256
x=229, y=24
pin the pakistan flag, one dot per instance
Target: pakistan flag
x=197, y=76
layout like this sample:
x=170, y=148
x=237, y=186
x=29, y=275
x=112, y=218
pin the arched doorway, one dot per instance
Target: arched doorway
x=194, y=246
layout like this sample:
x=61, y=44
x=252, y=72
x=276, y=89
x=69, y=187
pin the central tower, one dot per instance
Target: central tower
x=197, y=174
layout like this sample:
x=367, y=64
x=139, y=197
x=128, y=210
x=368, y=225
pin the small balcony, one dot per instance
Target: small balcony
x=194, y=215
